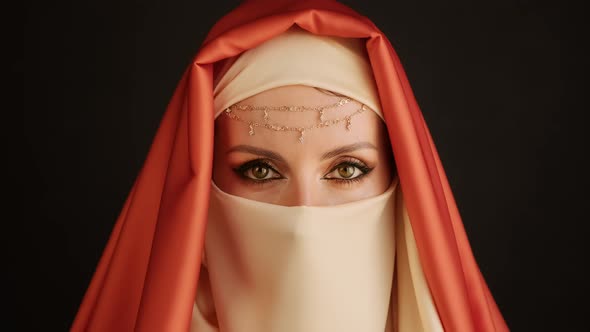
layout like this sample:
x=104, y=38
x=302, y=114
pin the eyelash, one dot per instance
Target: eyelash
x=242, y=169
x=348, y=161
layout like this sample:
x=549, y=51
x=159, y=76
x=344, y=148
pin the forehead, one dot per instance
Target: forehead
x=364, y=125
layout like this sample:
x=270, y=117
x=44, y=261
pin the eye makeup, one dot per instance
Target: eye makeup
x=250, y=171
x=262, y=171
x=361, y=170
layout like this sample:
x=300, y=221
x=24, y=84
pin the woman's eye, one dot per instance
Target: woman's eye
x=257, y=170
x=345, y=172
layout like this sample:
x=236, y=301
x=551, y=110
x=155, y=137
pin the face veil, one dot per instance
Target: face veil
x=146, y=279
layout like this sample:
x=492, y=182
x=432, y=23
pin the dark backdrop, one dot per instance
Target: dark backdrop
x=499, y=84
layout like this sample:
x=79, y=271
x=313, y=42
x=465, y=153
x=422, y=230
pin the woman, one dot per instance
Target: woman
x=270, y=199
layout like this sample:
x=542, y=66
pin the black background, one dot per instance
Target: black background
x=500, y=85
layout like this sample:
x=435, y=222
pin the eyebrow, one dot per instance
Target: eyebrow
x=347, y=148
x=258, y=151
x=275, y=156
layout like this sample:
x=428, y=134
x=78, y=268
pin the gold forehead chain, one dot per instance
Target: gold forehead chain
x=266, y=110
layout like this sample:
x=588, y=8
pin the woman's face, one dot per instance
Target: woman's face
x=331, y=166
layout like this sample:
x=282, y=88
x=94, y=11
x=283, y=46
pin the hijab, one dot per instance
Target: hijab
x=274, y=268
x=148, y=274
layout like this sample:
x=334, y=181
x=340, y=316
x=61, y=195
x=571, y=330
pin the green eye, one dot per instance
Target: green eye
x=259, y=171
x=346, y=171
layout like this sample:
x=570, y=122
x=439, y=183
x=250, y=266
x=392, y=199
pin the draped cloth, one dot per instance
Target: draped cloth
x=146, y=279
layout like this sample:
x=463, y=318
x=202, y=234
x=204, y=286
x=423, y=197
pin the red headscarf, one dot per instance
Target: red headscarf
x=147, y=277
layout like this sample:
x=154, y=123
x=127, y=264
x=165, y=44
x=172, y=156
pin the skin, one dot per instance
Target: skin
x=332, y=166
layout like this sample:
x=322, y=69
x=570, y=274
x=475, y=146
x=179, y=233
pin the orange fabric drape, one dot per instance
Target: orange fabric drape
x=146, y=278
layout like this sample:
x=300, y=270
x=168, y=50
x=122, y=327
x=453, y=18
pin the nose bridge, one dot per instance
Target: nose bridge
x=301, y=191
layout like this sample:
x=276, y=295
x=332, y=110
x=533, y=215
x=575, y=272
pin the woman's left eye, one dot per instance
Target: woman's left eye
x=347, y=171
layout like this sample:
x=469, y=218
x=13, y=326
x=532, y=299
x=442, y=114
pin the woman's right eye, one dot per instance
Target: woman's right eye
x=257, y=170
